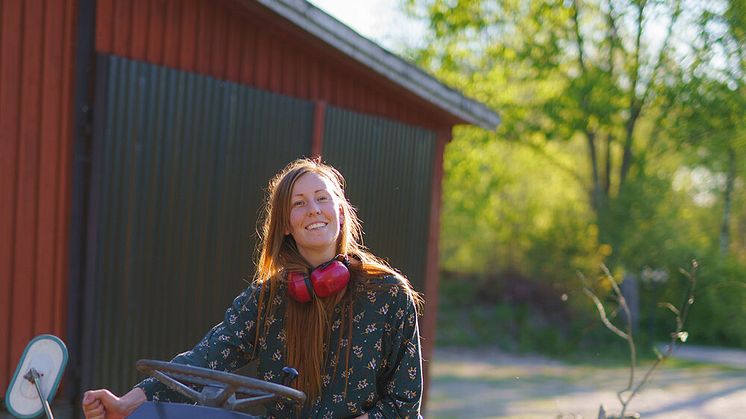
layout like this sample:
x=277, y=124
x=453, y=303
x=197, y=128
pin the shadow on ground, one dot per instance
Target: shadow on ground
x=488, y=383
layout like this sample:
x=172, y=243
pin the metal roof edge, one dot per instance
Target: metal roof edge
x=333, y=32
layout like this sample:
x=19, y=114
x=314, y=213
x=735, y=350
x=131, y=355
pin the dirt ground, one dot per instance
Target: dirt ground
x=488, y=383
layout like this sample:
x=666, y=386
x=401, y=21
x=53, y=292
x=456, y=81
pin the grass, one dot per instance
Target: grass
x=517, y=329
x=677, y=363
x=512, y=330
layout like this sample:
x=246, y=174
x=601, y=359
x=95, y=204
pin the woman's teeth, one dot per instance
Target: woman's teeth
x=316, y=226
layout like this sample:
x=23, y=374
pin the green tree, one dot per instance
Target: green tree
x=712, y=120
x=596, y=71
x=541, y=229
x=623, y=129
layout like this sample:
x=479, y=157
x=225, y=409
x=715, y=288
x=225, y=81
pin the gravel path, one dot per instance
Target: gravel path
x=488, y=383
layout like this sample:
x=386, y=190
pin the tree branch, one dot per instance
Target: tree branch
x=635, y=104
x=678, y=334
x=613, y=37
x=661, y=54
x=578, y=35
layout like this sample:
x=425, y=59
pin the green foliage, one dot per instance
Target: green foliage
x=717, y=316
x=521, y=315
x=473, y=313
x=507, y=206
x=657, y=226
x=623, y=142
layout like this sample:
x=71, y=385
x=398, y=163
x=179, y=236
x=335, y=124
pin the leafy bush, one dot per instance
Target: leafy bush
x=520, y=314
x=719, y=316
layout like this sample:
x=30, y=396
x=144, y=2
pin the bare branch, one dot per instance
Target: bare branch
x=669, y=306
x=678, y=334
x=630, y=338
x=600, y=307
x=680, y=319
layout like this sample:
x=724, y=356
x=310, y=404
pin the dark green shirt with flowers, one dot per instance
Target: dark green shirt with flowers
x=382, y=370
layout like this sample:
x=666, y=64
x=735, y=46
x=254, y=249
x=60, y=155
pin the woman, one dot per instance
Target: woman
x=355, y=344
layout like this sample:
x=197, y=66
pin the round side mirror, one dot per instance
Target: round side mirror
x=37, y=377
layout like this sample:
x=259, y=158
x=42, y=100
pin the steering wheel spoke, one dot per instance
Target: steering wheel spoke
x=224, y=394
x=176, y=385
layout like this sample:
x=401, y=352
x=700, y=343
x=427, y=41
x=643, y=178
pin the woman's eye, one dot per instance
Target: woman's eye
x=297, y=203
x=323, y=198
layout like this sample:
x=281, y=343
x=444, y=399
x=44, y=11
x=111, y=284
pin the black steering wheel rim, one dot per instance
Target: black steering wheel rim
x=226, y=385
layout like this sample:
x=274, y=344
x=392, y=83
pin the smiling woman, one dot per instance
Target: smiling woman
x=353, y=336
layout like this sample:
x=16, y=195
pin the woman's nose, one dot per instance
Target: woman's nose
x=314, y=208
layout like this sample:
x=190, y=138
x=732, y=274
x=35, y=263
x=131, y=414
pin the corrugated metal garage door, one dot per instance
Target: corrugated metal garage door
x=388, y=167
x=180, y=166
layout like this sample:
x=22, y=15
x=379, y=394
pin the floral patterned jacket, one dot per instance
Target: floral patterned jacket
x=384, y=368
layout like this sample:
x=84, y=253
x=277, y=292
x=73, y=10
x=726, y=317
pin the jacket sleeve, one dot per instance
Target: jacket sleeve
x=226, y=347
x=401, y=381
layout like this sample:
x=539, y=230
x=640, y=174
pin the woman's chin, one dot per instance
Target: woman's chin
x=318, y=246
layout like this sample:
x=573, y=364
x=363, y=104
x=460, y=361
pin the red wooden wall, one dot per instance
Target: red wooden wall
x=245, y=43
x=36, y=97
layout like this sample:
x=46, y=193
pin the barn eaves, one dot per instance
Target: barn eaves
x=333, y=32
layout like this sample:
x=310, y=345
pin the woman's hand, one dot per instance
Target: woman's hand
x=103, y=404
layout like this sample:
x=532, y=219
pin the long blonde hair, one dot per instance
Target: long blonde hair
x=307, y=326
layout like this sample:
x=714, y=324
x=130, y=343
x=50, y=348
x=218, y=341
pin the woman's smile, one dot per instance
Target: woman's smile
x=316, y=226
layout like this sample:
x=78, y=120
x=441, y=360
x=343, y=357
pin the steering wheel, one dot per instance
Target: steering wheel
x=219, y=389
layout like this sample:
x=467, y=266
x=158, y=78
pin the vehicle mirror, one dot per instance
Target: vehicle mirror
x=37, y=377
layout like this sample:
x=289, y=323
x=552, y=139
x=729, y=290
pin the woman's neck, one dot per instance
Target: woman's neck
x=317, y=258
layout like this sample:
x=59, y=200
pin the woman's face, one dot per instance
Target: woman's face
x=315, y=218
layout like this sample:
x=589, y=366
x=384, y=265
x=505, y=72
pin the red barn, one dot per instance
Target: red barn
x=136, y=137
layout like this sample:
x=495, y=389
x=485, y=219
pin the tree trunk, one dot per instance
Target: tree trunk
x=634, y=111
x=596, y=187
x=607, y=165
x=727, y=202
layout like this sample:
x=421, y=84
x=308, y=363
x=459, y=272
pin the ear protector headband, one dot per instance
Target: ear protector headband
x=327, y=279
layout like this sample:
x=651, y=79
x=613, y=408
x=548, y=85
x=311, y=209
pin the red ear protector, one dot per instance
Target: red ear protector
x=327, y=279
